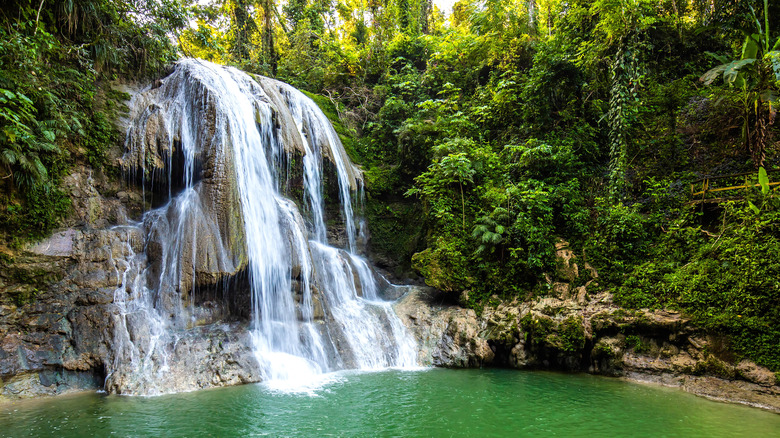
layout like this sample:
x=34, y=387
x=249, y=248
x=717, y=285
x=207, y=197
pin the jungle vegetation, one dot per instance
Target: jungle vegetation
x=507, y=126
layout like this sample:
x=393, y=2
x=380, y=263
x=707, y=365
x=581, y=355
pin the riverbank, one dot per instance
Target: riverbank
x=586, y=333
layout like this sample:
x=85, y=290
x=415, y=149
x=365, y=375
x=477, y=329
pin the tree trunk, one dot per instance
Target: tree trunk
x=268, y=35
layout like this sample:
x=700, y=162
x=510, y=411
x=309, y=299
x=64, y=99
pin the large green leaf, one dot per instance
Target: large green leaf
x=763, y=179
x=729, y=71
x=774, y=59
x=712, y=74
x=732, y=69
x=750, y=47
x=48, y=135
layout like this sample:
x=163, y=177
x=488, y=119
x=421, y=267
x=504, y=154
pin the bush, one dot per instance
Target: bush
x=728, y=284
x=622, y=239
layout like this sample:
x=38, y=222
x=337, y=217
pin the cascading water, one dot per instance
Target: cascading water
x=224, y=148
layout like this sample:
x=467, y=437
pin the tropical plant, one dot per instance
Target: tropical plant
x=755, y=76
x=22, y=139
x=491, y=231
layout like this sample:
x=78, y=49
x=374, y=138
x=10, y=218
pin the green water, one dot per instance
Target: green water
x=435, y=403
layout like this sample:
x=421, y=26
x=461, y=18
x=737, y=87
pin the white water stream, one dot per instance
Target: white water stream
x=314, y=308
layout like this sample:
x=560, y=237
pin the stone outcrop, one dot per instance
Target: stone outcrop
x=58, y=313
x=54, y=307
x=447, y=336
x=574, y=329
x=278, y=93
x=156, y=161
x=203, y=357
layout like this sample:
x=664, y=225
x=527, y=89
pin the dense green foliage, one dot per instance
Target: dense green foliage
x=728, y=282
x=55, y=105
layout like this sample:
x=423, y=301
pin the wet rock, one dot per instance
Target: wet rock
x=460, y=346
x=60, y=331
x=202, y=357
x=95, y=202
x=58, y=244
x=734, y=391
x=446, y=336
x=316, y=303
x=47, y=383
x=213, y=245
x=278, y=93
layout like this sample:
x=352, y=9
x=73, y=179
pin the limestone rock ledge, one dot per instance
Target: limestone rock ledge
x=202, y=357
x=58, y=322
x=576, y=327
x=585, y=334
x=447, y=336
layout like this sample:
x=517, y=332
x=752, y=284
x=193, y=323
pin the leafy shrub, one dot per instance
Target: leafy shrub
x=444, y=266
x=621, y=239
x=728, y=283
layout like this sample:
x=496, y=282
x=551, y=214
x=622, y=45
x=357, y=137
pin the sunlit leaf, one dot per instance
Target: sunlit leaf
x=763, y=179
x=750, y=46
x=712, y=74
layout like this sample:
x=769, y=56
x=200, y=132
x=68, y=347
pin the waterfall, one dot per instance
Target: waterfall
x=238, y=166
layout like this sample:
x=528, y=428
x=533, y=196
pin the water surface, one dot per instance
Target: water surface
x=435, y=403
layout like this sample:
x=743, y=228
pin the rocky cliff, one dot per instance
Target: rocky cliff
x=58, y=312
x=572, y=329
x=75, y=310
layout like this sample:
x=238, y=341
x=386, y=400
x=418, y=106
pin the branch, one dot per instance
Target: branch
x=710, y=234
x=334, y=102
x=38, y=17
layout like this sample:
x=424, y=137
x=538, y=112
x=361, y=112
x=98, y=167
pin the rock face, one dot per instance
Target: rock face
x=54, y=309
x=185, y=107
x=203, y=357
x=572, y=329
x=156, y=160
x=58, y=315
x=448, y=336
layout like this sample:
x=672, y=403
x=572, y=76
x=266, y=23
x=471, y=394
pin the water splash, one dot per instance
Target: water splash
x=229, y=146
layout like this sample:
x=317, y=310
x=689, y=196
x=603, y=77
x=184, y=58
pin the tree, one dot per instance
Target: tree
x=243, y=28
x=452, y=169
x=269, y=48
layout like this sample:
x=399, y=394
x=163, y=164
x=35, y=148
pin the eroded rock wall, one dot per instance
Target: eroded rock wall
x=574, y=329
x=55, y=311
